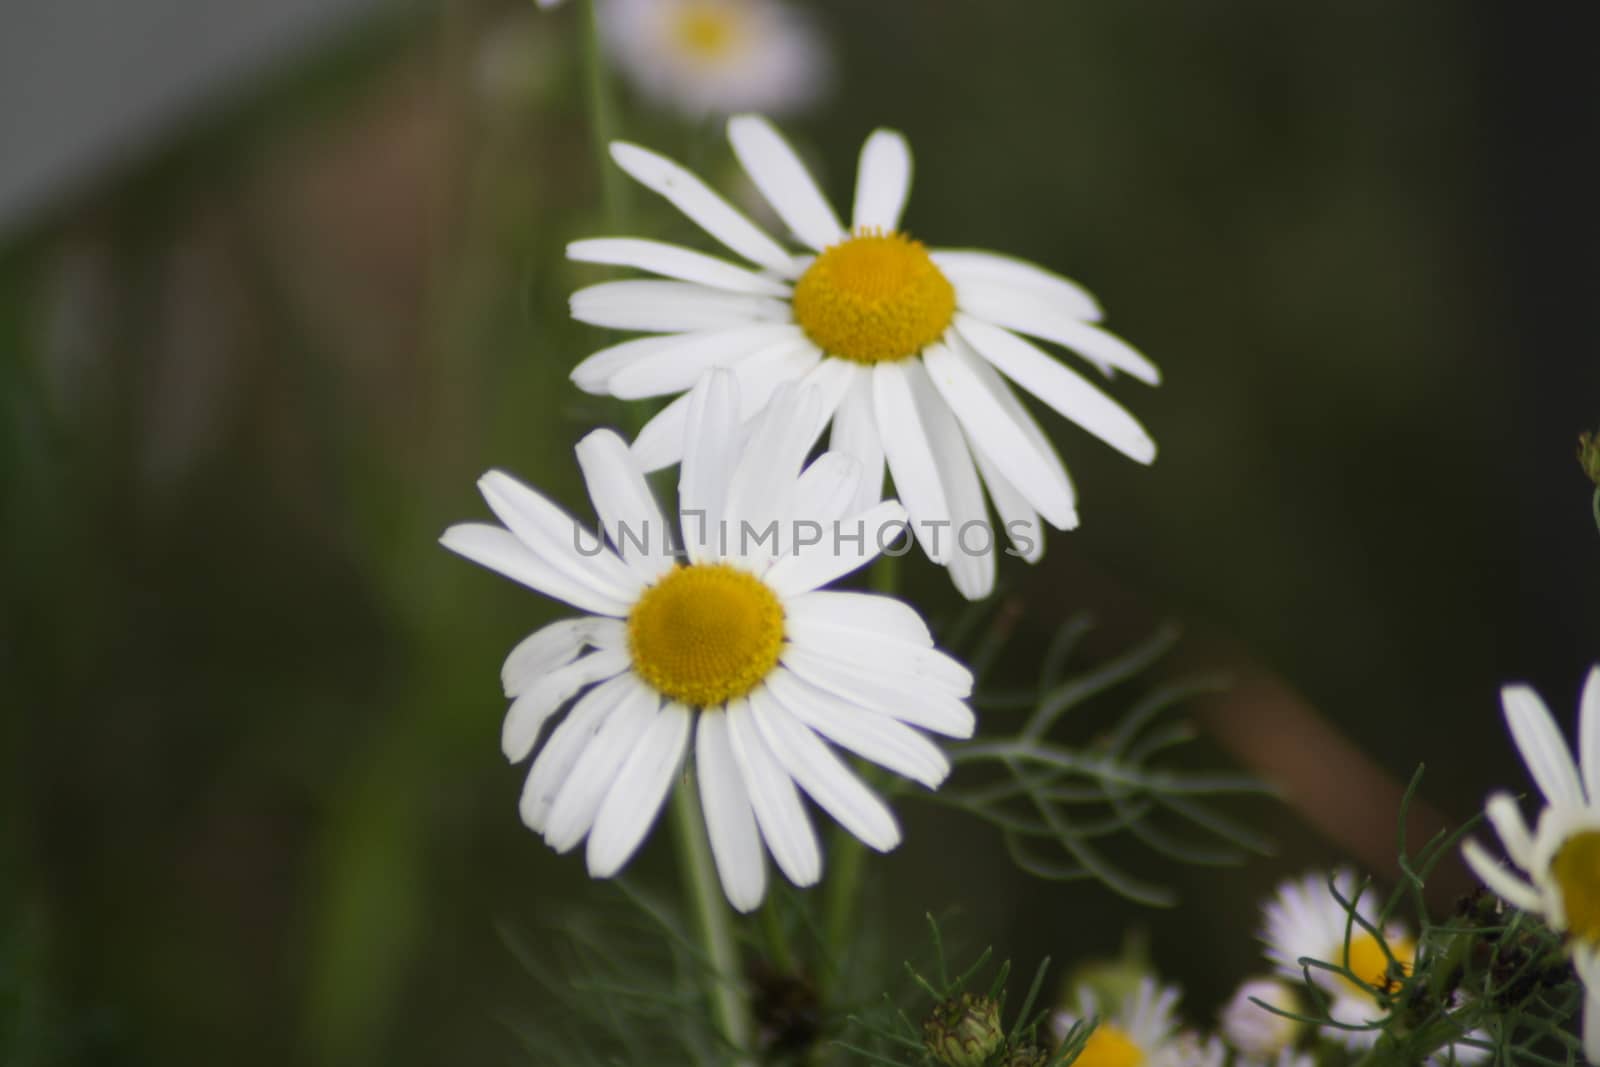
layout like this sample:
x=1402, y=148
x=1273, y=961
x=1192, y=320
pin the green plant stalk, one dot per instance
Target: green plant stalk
x=602, y=108
x=729, y=1008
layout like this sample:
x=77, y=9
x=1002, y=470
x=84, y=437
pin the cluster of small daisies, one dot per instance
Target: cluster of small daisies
x=1262, y=1024
x=698, y=643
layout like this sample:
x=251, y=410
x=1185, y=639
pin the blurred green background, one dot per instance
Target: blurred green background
x=255, y=807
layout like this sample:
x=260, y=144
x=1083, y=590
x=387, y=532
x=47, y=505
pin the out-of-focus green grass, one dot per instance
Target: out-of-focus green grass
x=257, y=808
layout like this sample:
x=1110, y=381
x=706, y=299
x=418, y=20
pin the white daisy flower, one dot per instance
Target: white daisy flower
x=1304, y=920
x=1142, y=1031
x=1254, y=1030
x=716, y=57
x=739, y=646
x=911, y=349
x=1561, y=856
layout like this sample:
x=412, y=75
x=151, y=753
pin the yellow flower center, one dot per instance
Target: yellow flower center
x=705, y=30
x=706, y=633
x=1368, y=962
x=1110, y=1046
x=1576, y=869
x=873, y=297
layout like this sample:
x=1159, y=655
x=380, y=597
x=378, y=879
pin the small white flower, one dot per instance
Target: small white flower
x=1254, y=1030
x=717, y=57
x=1562, y=855
x=910, y=349
x=1142, y=1031
x=1304, y=920
x=739, y=646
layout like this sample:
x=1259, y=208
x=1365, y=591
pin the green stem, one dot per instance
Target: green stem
x=602, y=119
x=729, y=1009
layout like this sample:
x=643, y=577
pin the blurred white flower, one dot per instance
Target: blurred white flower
x=1142, y=1030
x=1254, y=1030
x=717, y=57
x=1562, y=856
x=737, y=651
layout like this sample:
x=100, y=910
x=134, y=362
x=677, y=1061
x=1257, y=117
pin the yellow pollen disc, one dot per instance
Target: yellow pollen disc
x=1576, y=870
x=1110, y=1046
x=873, y=297
x=1366, y=960
x=706, y=633
x=705, y=30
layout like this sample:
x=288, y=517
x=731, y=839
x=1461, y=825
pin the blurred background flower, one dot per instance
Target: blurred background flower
x=278, y=281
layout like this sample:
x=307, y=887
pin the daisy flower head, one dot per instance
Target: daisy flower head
x=1142, y=1031
x=1560, y=857
x=1305, y=920
x=717, y=57
x=735, y=651
x=913, y=350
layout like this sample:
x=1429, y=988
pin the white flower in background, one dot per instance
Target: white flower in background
x=909, y=348
x=739, y=646
x=1561, y=856
x=1304, y=920
x=1141, y=1031
x=1254, y=1030
x=716, y=57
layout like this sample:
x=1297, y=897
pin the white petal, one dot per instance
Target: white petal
x=1037, y=316
x=883, y=181
x=823, y=775
x=660, y=443
x=554, y=646
x=1591, y=1021
x=1589, y=734
x=910, y=458
x=872, y=736
x=633, y=804
x=1502, y=882
x=972, y=544
x=779, y=812
x=671, y=261
x=730, y=821
x=1506, y=817
x=598, y=368
x=825, y=493
x=846, y=546
x=712, y=449
x=917, y=701
x=831, y=378
x=777, y=171
x=994, y=431
x=1543, y=748
x=761, y=491
x=499, y=550
x=705, y=208
x=671, y=306
x=863, y=648
x=556, y=537
x=872, y=612
x=678, y=369
x=567, y=742
x=969, y=267
x=1066, y=391
x=1023, y=527
x=855, y=433
x=628, y=511
x=594, y=775
x=529, y=712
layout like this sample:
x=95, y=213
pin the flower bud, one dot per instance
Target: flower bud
x=964, y=1031
x=1026, y=1056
